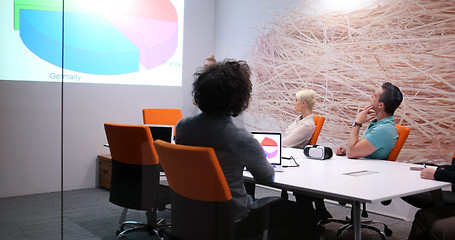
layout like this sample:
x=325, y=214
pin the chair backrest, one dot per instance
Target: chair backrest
x=168, y=116
x=200, y=196
x=403, y=133
x=135, y=169
x=318, y=122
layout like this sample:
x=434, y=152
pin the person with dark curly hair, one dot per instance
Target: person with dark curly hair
x=222, y=91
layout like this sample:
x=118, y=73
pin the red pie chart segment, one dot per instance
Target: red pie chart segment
x=270, y=147
x=155, y=9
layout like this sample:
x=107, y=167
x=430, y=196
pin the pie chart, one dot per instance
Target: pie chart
x=270, y=147
x=98, y=36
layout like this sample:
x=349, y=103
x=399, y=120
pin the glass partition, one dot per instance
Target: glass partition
x=31, y=114
x=66, y=68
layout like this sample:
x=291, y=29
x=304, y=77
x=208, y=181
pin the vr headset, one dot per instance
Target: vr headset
x=317, y=152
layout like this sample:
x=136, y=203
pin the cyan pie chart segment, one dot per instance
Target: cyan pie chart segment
x=92, y=44
x=43, y=40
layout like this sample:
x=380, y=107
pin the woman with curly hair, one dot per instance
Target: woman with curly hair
x=222, y=91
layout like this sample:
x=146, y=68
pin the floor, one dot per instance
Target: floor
x=88, y=215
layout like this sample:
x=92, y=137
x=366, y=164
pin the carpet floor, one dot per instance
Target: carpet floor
x=88, y=215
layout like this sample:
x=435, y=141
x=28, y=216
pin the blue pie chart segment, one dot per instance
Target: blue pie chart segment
x=91, y=43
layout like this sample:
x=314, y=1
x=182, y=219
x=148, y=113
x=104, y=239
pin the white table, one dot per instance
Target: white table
x=336, y=179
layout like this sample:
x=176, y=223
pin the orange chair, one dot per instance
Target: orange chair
x=403, y=133
x=168, y=116
x=200, y=197
x=318, y=122
x=135, y=182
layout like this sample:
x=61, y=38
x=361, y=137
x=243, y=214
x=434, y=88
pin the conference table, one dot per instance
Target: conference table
x=353, y=181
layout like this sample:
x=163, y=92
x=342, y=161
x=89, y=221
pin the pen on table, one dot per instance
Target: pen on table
x=424, y=165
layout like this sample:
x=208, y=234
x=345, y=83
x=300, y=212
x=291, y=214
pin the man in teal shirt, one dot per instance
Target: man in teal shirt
x=381, y=135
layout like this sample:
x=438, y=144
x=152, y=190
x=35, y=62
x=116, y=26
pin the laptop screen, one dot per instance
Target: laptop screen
x=271, y=143
x=162, y=132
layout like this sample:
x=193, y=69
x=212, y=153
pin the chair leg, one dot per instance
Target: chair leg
x=123, y=216
x=329, y=220
x=383, y=235
x=342, y=229
x=363, y=224
x=151, y=231
x=151, y=218
x=387, y=230
x=376, y=230
x=154, y=225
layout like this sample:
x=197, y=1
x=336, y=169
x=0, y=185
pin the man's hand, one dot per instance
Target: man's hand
x=365, y=115
x=341, y=151
x=428, y=173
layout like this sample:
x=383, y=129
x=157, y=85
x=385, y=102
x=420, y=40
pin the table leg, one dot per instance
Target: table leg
x=356, y=220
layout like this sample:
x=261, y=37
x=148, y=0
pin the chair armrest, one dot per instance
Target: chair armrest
x=263, y=202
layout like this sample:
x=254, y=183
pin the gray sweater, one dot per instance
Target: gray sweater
x=234, y=147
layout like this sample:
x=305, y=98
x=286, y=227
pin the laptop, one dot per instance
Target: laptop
x=162, y=132
x=159, y=131
x=271, y=144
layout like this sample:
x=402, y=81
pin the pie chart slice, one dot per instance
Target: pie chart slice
x=156, y=39
x=92, y=44
x=270, y=147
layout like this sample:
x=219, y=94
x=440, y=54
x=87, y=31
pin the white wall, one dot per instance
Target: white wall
x=238, y=23
x=30, y=117
x=30, y=137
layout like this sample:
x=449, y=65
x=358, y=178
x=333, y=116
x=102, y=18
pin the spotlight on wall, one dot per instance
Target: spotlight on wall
x=340, y=6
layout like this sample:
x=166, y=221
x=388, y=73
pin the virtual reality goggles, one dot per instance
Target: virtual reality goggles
x=317, y=152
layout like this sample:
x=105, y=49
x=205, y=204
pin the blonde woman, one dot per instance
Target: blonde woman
x=299, y=133
x=210, y=60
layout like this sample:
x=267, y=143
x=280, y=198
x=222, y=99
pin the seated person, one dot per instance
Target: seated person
x=435, y=222
x=223, y=91
x=381, y=135
x=299, y=133
x=442, y=173
x=209, y=61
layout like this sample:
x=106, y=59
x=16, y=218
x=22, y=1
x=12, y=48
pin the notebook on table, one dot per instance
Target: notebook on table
x=271, y=144
x=162, y=132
